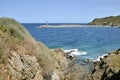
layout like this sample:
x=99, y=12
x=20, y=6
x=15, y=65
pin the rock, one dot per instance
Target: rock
x=38, y=76
x=87, y=60
x=74, y=73
x=107, y=68
x=23, y=58
x=24, y=67
x=15, y=61
x=71, y=56
x=61, y=58
x=118, y=51
x=55, y=75
x=59, y=50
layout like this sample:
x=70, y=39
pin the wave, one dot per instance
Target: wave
x=75, y=52
x=98, y=58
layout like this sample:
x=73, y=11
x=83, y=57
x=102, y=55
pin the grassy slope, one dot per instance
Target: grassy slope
x=13, y=37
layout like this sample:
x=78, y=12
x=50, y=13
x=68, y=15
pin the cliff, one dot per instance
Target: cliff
x=107, y=68
x=106, y=21
x=23, y=58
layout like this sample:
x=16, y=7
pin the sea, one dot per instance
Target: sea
x=85, y=42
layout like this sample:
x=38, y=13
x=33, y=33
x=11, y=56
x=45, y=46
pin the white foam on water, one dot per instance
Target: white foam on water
x=71, y=50
x=98, y=58
x=75, y=52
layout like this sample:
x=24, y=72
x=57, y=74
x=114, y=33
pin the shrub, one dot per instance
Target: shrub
x=2, y=28
x=13, y=28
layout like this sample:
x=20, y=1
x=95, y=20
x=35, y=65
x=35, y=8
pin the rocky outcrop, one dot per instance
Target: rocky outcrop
x=74, y=73
x=107, y=21
x=107, y=68
x=23, y=58
x=23, y=67
x=55, y=75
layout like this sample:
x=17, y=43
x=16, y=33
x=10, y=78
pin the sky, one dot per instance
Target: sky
x=58, y=11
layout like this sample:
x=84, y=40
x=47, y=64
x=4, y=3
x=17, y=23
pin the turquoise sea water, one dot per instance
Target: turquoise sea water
x=95, y=41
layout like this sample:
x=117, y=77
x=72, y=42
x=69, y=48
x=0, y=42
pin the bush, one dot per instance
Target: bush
x=2, y=28
x=13, y=28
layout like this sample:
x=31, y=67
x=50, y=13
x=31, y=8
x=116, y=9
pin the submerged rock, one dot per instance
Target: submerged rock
x=87, y=60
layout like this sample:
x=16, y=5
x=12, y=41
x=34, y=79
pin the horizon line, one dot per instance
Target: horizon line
x=53, y=23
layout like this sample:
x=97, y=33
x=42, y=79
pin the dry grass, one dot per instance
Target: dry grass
x=13, y=37
x=114, y=62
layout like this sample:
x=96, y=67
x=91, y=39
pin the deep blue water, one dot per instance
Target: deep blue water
x=95, y=41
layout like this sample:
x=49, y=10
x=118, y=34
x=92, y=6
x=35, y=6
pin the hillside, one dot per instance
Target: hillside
x=107, y=21
x=23, y=58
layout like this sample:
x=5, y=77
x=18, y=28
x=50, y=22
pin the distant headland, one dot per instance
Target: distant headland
x=106, y=21
x=111, y=21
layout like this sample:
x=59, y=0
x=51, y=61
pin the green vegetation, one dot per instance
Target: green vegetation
x=19, y=52
x=13, y=28
x=1, y=52
x=15, y=39
x=112, y=21
x=12, y=34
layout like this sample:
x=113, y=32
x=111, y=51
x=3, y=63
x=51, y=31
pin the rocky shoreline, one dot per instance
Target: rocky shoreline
x=23, y=58
x=108, y=68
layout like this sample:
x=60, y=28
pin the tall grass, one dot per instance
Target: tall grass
x=14, y=37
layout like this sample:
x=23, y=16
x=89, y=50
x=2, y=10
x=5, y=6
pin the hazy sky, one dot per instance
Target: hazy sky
x=54, y=11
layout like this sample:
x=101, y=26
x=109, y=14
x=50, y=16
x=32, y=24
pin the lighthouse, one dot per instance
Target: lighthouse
x=46, y=23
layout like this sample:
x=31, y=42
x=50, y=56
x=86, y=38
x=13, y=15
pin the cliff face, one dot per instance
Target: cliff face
x=107, y=21
x=23, y=58
x=107, y=68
